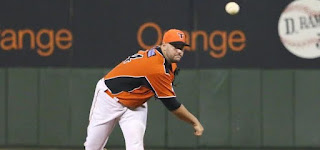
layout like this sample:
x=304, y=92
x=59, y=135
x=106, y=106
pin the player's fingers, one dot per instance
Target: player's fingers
x=198, y=130
x=198, y=133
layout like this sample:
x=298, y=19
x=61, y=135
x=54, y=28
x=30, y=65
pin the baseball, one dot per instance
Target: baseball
x=232, y=8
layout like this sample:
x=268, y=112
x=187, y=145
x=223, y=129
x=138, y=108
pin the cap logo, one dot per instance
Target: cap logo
x=180, y=35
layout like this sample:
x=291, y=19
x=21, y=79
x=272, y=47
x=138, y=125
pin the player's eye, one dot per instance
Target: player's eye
x=178, y=45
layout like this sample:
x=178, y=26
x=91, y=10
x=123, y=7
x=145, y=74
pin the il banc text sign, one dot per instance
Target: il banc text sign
x=216, y=42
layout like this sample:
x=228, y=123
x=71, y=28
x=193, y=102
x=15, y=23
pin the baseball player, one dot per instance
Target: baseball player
x=121, y=95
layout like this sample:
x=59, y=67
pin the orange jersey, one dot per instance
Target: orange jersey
x=141, y=76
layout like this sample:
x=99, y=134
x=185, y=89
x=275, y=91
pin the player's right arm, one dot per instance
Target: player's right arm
x=183, y=114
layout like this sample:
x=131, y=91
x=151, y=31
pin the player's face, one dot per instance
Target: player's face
x=174, y=53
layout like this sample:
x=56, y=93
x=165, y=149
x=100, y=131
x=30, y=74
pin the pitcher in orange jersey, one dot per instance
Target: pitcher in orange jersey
x=121, y=95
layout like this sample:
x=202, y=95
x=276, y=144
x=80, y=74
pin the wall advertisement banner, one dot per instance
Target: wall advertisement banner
x=264, y=34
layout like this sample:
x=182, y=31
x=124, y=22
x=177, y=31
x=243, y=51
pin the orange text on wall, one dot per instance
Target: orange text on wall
x=44, y=41
x=219, y=41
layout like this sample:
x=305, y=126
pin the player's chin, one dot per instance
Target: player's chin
x=177, y=59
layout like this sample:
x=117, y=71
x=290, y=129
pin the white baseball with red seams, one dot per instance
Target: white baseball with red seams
x=299, y=28
x=232, y=8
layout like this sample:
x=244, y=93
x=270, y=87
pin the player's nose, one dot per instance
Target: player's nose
x=179, y=51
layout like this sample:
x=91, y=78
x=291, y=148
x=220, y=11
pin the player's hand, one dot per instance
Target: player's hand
x=198, y=129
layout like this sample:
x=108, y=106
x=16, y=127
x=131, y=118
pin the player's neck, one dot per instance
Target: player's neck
x=164, y=54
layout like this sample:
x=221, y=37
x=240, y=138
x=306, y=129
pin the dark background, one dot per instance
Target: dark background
x=105, y=32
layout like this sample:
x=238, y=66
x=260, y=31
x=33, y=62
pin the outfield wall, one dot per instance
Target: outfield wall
x=238, y=108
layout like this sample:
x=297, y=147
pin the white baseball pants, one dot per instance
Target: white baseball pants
x=106, y=112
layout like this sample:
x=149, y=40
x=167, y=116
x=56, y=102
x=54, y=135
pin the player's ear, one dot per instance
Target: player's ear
x=164, y=46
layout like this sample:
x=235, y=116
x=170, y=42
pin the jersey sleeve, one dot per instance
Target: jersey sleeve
x=162, y=85
x=170, y=103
